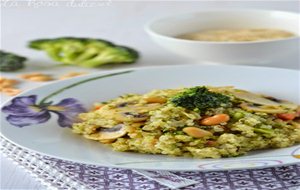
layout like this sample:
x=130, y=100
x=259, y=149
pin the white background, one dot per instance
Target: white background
x=120, y=22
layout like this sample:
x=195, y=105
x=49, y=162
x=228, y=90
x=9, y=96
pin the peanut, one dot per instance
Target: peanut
x=29, y=75
x=41, y=78
x=196, y=132
x=7, y=82
x=72, y=74
x=11, y=91
x=216, y=119
x=38, y=77
x=156, y=99
x=7, y=86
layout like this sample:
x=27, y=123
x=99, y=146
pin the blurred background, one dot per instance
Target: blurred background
x=121, y=22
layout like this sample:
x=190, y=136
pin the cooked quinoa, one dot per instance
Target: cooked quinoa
x=220, y=122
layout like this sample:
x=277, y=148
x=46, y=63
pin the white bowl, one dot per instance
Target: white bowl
x=164, y=30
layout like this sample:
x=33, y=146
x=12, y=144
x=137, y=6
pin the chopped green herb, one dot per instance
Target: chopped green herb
x=200, y=98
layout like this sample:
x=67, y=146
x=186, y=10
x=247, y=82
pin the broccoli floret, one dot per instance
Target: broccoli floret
x=10, y=61
x=85, y=52
x=200, y=98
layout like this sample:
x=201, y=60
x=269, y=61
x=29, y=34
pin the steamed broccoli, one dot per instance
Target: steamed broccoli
x=11, y=61
x=200, y=98
x=85, y=52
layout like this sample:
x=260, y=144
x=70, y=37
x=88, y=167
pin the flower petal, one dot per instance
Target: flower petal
x=68, y=102
x=68, y=115
x=22, y=106
x=22, y=121
x=65, y=120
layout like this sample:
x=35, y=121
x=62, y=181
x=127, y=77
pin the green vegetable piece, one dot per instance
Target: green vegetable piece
x=200, y=98
x=11, y=62
x=265, y=132
x=238, y=115
x=85, y=52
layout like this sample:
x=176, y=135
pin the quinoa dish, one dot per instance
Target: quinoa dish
x=200, y=122
x=237, y=35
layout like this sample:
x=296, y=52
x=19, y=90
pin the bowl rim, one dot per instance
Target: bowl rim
x=151, y=32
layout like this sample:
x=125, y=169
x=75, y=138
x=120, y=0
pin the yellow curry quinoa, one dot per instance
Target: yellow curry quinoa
x=201, y=122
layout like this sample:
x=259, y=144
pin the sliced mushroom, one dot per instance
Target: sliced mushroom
x=283, y=103
x=112, y=133
x=106, y=134
x=262, y=100
x=134, y=127
x=130, y=116
x=135, y=113
x=123, y=104
x=262, y=108
x=220, y=88
x=253, y=98
x=107, y=141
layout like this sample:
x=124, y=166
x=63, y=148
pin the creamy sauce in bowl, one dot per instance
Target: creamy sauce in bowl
x=237, y=35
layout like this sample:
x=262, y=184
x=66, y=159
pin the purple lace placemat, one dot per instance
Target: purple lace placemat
x=69, y=175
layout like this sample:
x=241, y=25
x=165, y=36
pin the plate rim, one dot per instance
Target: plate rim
x=102, y=73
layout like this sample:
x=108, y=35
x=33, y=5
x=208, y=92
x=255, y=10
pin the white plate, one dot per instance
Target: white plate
x=50, y=139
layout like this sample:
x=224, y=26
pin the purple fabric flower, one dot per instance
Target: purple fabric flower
x=24, y=111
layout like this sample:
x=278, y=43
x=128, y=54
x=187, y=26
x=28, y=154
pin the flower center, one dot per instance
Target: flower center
x=55, y=108
x=35, y=108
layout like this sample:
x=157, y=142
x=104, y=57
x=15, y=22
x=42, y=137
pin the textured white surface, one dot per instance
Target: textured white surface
x=14, y=177
x=120, y=22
